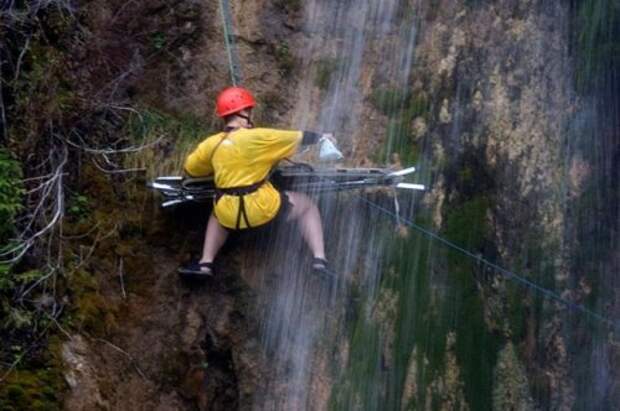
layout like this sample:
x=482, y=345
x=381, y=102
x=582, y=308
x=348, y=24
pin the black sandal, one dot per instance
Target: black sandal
x=320, y=266
x=196, y=270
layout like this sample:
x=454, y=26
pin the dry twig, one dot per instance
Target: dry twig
x=133, y=362
x=121, y=276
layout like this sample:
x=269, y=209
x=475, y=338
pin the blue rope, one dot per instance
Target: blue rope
x=517, y=278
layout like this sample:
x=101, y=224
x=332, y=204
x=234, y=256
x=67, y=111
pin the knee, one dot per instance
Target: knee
x=301, y=203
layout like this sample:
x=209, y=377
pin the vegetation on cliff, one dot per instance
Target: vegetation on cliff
x=69, y=134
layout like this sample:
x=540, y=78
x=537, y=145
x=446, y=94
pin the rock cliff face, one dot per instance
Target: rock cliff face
x=481, y=95
x=502, y=98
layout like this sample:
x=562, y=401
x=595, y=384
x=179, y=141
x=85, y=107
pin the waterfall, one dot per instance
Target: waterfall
x=489, y=102
x=592, y=154
x=307, y=322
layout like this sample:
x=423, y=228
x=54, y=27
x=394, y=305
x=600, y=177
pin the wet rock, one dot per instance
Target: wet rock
x=81, y=377
x=444, y=114
x=511, y=390
x=410, y=388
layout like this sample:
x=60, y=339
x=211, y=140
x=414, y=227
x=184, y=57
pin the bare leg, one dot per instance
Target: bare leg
x=309, y=219
x=215, y=238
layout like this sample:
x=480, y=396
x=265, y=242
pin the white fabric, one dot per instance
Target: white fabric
x=328, y=150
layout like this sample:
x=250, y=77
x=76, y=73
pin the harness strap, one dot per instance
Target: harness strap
x=240, y=192
x=219, y=143
x=243, y=213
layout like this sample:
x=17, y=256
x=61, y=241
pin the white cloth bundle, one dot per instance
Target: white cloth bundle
x=328, y=150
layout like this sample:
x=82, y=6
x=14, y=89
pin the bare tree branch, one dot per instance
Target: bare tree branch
x=52, y=198
x=2, y=109
x=118, y=171
x=19, y=59
x=131, y=149
x=133, y=362
x=121, y=276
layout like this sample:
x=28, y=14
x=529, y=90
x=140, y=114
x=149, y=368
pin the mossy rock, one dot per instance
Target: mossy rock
x=11, y=191
x=402, y=107
x=389, y=101
x=290, y=5
x=285, y=59
x=325, y=69
x=33, y=390
x=91, y=313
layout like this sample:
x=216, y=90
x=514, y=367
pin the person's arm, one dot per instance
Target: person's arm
x=198, y=163
x=274, y=145
x=310, y=137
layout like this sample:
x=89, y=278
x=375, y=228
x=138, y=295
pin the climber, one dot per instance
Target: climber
x=240, y=159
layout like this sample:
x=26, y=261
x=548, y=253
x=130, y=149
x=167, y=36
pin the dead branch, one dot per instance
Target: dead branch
x=80, y=236
x=55, y=321
x=132, y=360
x=115, y=171
x=91, y=249
x=36, y=284
x=104, y=151
x=121, y=276
x=51, y=200
x=20, y=58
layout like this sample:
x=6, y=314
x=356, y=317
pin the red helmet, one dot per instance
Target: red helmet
x=232, y=100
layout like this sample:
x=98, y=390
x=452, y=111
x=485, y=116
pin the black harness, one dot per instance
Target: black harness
x=240, y=192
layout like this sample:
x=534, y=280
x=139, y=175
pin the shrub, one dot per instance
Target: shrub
x=11, y=191
x=325, y=69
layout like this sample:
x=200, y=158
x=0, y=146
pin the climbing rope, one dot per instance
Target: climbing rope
x=552, y=295
x=229, y=40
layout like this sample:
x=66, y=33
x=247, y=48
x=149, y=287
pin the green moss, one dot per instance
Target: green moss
x=402, y=108
x=158, y=40
x=476, y=348
x=400, y=142
x=363, y=372
x=33, y=390
x=400, y=103
x=285, y=60
x=90, y=311
x=11, y=192
x=467, y=225
x=325, y=69
x=389, y=101
x=42, y=91
x=367, y=384
x=6, y=279
x=511, y=389
x=516, y=315
x=439, y=294
x=419, y=105
x=597, y=27
x=78, y=206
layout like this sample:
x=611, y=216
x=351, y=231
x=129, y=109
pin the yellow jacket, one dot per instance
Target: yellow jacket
x=244, y=157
